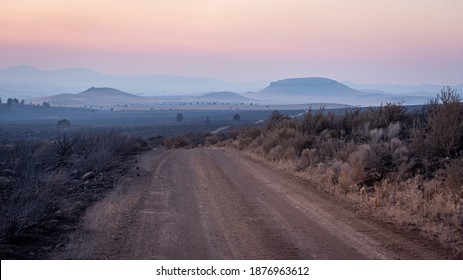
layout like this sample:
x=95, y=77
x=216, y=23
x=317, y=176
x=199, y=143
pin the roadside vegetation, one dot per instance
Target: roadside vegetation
x=403, y=166
x=46, y=185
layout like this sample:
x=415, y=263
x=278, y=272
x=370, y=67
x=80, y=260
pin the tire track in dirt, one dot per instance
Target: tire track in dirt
x=240, y=222
x=166, y=220
x=298, y=226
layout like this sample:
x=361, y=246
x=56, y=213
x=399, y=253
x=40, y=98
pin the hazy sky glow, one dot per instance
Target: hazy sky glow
x=390, y=41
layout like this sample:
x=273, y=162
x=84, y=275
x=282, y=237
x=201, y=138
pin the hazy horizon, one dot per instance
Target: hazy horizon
x=34, y=84
x=370, y=42
x=262, y=80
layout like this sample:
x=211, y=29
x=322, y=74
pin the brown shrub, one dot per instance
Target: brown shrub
x=275, y=153
x=454, y=176
x=328, y=147
x=442, y=133
x=181, y=141
x=308, y=158
x=212, y=140
x=98, y=161
x=244, y=143
x=358, y=162
x=312, y=122
x=31, y=203
x=453, y=182
x=271, y=140
x=252, y=132
x=234, y=134
x=63, y=144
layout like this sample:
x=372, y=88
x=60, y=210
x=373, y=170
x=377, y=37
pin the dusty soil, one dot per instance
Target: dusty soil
x=219, y=204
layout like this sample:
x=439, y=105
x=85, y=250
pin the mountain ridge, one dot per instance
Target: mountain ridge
x=29, y=82
x=424, y=88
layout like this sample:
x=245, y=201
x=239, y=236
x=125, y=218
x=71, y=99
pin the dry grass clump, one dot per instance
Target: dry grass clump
x=31, y=201
x=428, y=205
x=404, y=166
x=191, y=140
x=174, y=142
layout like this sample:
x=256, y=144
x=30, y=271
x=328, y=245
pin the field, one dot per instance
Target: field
x=393, y=172
x=38, y=122
x=50, y=176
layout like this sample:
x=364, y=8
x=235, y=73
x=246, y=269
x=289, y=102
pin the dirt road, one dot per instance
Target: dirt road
x=219, y=204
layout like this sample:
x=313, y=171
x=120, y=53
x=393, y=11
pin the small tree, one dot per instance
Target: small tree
x=236, y=117
x=45, y=104
x=63, y=124
x=179, y=117
x=278, y=117
x=12, y=101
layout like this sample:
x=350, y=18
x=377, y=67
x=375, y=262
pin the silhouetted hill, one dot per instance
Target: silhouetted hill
x=223, y=96
x=107, y=92
x=92, y=97
x=308, y=87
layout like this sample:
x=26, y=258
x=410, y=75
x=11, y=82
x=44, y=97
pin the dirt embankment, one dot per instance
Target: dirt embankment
x=220, y=204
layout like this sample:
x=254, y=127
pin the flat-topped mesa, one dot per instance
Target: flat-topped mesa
x=308, y=87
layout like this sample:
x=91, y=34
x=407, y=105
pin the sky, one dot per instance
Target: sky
x=365, y=41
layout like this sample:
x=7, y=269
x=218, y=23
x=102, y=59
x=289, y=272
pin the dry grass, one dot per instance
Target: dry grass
x=44, y=192
x=103, y=220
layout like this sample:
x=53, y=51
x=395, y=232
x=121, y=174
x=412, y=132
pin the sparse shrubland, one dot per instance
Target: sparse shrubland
x=405, y=167
x=191, y=140
x=45, y=186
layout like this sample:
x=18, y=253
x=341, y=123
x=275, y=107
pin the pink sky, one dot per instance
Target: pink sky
x=391, y=41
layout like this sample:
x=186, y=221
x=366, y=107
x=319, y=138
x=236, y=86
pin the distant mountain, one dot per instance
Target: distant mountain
x=31, y=76
x=15, y=73
x=223, y=96
x=423, y=89
x=28, y=82
x=92, y=97
x=106, y=92
x=308, y=87
x=323, y=90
